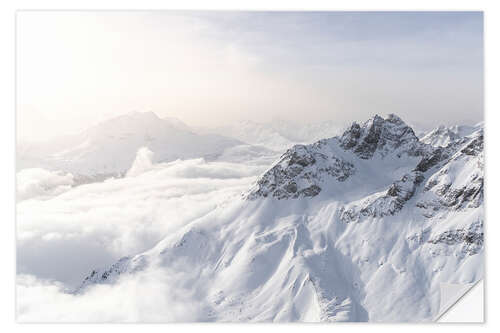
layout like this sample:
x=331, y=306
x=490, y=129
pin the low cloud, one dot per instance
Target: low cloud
x=42, y=183
x=146, y=297
x=63, y=235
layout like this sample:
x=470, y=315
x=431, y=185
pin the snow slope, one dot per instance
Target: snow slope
x=360, y=227
x=442, y=136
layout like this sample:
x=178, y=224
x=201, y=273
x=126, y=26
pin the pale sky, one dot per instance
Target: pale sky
x=75, y=69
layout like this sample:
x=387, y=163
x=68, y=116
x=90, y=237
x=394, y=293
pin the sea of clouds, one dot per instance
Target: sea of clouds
x=42, y=184
x=65, y=231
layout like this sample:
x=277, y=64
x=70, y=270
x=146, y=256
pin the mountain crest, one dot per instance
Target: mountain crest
x=443, y=136
x=303, y=168
x=306, y=170
x=378, y=134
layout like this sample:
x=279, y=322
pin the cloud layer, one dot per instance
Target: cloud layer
x=41, y=183
x=145, y=297
x=64, y=233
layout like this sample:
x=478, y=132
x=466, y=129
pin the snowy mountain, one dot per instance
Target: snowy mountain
x=277, y=135
x=110, y=147
x=442, y=136
x=362, y=226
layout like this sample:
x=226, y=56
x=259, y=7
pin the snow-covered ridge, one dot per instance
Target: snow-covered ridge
x=302, y=169
x=442, y=136
x=363, y=226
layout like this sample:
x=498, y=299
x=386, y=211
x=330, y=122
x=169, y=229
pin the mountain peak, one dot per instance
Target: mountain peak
x=393, y=118
x=142, y=115
x=303, y=168
x=378, y=134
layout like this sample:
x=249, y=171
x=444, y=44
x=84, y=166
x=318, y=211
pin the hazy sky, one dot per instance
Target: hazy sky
x=75, y=69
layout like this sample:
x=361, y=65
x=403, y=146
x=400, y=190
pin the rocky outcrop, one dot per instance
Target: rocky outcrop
x=102, y=276
x=431, y=160
x=471, y=239
x=383, y=204
x=476, y=146
x=380, y=135
x=436, y=155
x=300, y=173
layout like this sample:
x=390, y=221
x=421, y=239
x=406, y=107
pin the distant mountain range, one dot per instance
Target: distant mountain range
x=110, y=147
x=278, y=135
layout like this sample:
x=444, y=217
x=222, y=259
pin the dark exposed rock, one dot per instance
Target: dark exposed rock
x=291, y=187
x=368, y=144
x=437, y=155
x=389, y=204
x=405, y=188
x=102, y=276
x=431, y=160
x=299, y=173
x=470, y=195
x=393, y=191
x=111, y=274
x=471, y=238
x=475, y=147
x=350, y=137
x=382, y=135
x=311, y=191
x=299, y=158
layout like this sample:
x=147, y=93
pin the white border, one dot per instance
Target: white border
x=492, y=86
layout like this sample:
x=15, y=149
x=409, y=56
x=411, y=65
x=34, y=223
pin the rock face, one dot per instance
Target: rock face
x=470, y=239
x=300, y=173
x=380, y=135
x=384, y=204
x=475, y=147
x=333, y=228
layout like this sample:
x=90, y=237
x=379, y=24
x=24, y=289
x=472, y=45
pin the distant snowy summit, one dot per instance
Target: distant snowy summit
x=110, y=147
x=277, y=134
